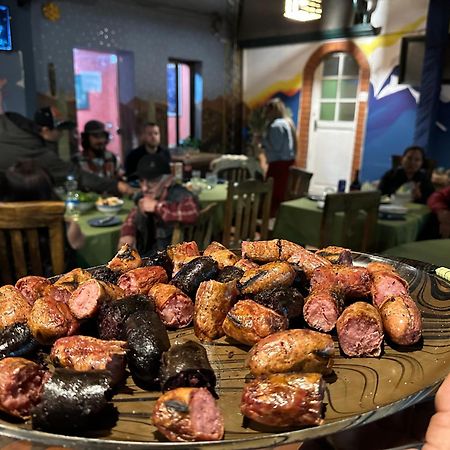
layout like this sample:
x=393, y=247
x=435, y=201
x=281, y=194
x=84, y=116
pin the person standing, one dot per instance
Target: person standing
x=151, y=145
x=95, y=158
x=280, y=147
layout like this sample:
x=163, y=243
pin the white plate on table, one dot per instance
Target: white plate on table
x=392, y=211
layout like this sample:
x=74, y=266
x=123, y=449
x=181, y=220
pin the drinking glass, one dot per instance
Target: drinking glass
x=211, y=179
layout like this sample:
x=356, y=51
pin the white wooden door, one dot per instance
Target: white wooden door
x=332, y=122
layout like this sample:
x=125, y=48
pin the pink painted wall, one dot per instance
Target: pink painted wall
x=104, y=104
x=185, y=118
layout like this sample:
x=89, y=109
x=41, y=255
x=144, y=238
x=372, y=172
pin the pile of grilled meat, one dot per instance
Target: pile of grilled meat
x=277, y=298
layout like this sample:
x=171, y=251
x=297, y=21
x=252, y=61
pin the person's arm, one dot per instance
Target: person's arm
x=75, y=236
x=439, y=200
x=128, y=230
x=184, y=211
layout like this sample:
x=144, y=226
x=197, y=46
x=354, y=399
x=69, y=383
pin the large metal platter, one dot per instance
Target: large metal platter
x=363, y=389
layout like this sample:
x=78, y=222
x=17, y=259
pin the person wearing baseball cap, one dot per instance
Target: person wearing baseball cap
x=51, y=124
x=95, y=158
x=161, y=202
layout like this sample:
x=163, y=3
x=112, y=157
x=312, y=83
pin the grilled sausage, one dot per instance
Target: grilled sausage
x=174, y=307
x=58, y=293
x=32, y=287
x=126, y=258
x=83, y=353
x=161, y=259
x=287, y=301
x=336, y=255
x=248, y=322
x=50, y=320
x=221, y=255
x=104, y=273
x=246, y=264
x=292, y=351
x=140, y=280
x=17, y=340
x=182, y=253
x=285, y=400
x=113, y=315
x=261, y=251
x=307, y=261
x=87, y=298
x=20, y=386
x=71, y=280
x=386, y=283
x=189, y=277
x=147, y=340
x=402, y=320
x=72, y=401
x=188, y=414
x=230, y=273
x=212, y=303
x=186, y=364
x=288, y=249
x=14, y=307
x=268, y=276
x=360, y=330
x=322, y=309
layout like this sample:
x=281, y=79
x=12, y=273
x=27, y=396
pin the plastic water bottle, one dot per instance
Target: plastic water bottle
x=72, y=198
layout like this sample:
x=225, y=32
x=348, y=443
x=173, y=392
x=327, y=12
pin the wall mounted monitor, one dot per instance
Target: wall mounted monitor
x=5, y=29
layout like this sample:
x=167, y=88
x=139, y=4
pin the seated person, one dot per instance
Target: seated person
x=28, y=181
x=161, y=203
x=439, y=203
x=409, y=171
x=95, y=158
x=150, y=146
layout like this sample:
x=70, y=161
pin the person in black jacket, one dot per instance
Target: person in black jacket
x=150, y=146
x=410, y=171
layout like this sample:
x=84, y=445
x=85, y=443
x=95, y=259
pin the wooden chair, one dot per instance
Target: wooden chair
x=21, y=238
x=356, y=206
x=201, y=231
x=247, y=211
x=298, y=183
x=234, y=174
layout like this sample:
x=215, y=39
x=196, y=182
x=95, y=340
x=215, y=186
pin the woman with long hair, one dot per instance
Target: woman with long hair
x=280, y=147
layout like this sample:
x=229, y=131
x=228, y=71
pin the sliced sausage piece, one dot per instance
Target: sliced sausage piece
x=268, y=276
x=14, y=307
x=127, y=258
x=360, y=330
x=50, y=320
x=288, y=249
x=182, y=253
x=402, y=320
x=87, y=298
x=188, y=414
x=336, y=255
x=20, y=386
x=248, y=322
x=221, y=255
x=32, y=287
x=83, y=353
x=17, y=340
x=285, y=400
x=292, y=351
x=186, y=364
x=307, y=261
x=60, y=294
x=174, y=307
x=140, y=280
x=246, y=264
x=71, y=280
x=72, y=401
x=189, y=277
x=261, y=251
x=322, y=309
x=212, y=303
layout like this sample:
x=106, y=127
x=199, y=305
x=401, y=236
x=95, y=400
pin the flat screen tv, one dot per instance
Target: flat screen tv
x=5, y=29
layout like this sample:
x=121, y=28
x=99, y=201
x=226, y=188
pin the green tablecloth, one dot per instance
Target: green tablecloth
x=101, y=243
x=434, y=251
x=299, y=221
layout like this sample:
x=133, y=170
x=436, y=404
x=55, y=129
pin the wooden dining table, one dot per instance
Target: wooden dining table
x=299, y=221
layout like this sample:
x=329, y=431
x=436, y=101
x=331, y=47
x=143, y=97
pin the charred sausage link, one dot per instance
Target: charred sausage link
x=140, y=280
x=32, y=287
x=71, y=280
x=336, y=255
x=261, y=251
x=285, y=400
x=182, y=253
x=221, y=255
x=127, y=258
x=14, y=307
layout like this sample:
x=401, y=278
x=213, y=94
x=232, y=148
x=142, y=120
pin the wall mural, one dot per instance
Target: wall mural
x=277, y=71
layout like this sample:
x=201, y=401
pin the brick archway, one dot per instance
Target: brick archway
x=306, y=99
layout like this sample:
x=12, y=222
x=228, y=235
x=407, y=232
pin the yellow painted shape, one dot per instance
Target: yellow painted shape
x=389, y=39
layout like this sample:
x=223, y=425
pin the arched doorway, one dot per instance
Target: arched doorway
x=332, y=113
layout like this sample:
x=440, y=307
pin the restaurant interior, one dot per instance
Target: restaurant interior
x=289, y=122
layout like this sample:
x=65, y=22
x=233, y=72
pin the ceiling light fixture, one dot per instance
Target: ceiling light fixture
x=303, y=10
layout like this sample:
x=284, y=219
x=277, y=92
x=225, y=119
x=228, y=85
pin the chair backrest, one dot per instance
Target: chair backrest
x=234, y=174
x=358, y=208
x=247, y=211
x=298, y=183
x=21, y=238
x=200, y=232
